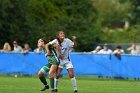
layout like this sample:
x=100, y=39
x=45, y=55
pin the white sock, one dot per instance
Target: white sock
x=74, y=83
x=56, y=83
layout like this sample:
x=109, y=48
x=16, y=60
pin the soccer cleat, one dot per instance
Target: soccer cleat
x=75, y=91
x=55, y=90
x=52, y=90
x=45, y=87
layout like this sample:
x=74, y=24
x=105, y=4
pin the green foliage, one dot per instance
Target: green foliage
x=135, y=17
x=112, y=17
x=13, y=21
x=110, y=13
x=28, y=20
x=32, y=19
x=120, y=35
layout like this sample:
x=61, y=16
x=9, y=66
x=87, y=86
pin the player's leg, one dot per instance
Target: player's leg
x=69, y=67
x=42, y=78
x=51, y=75
x=56, y=81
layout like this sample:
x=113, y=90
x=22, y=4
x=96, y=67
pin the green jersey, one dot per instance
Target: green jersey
x=52, y=59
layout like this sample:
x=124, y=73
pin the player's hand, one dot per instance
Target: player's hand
x=38, y=51
x=48, y=54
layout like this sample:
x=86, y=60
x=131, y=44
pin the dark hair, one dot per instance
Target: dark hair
x=45, y=41
x=57, y=34
x=15, y=41
x=118, y=47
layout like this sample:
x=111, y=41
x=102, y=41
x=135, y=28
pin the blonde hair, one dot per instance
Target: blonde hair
x=6, y=47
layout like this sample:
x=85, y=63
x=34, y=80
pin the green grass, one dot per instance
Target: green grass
x=9, y=84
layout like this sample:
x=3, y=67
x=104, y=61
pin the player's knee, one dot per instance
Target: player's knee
x=57, y=76
x=40, y=74
x=71, y=75
x=51, y=75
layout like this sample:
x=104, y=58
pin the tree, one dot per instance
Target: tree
x=135, y=15
x=28, y=20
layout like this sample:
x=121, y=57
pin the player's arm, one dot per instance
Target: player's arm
x=48, y=44
x=47, y=49
x=57, y=47
x=70, y=44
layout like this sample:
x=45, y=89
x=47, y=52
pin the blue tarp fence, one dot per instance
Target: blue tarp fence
x=84, y=64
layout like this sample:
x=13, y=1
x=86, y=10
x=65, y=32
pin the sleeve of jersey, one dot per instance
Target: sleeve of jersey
x=71, y=44
x=53, y=42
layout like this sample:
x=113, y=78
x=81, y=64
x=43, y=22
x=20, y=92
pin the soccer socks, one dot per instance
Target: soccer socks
x=56, y=83
x=52, y=82
x=74, y=83
x=43, y=80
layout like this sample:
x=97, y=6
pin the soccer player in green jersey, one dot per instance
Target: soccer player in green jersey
x=53, y=61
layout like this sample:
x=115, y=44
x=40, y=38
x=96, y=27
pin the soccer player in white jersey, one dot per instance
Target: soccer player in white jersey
x=65, y=45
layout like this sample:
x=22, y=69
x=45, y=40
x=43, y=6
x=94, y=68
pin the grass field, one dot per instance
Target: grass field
x=85, y=85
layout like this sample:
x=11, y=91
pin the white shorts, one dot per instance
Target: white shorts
x=66, y=64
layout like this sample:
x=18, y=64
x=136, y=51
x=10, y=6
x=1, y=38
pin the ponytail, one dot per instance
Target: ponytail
x=57, y=34
x=59, y=42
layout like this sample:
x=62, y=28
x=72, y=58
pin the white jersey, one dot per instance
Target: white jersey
x=105, y=52
x=135, y=52
x=17, y=49
x=122, y=51
x=66, y=45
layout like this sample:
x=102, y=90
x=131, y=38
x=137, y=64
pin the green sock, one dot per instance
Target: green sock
x=52, y=82
x=43, y=80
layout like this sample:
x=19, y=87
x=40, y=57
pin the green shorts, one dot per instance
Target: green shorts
x=51, y=60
